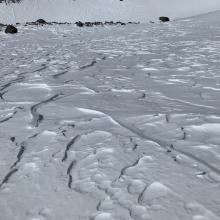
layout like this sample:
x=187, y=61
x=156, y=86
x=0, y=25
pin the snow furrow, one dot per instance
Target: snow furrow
x=167, y=145
x=69, y=170
x=8, y=176
x=88, y=65
x=36, y=117
x=68, y=146
x=19, y=155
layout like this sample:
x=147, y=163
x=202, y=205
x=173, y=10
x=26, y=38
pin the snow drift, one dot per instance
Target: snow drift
x=127, y=10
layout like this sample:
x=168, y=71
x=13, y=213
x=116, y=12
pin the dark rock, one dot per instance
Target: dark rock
x=109, y=23
x=88, y=24
x=164, y=19
x=59, y=23
x=30, y=23
x=12, y=139
x=41, y=21
x=130, y=22
x=79, y=24
x=98, y=23
x=10, y=29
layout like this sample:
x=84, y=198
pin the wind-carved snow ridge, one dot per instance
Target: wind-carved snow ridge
x=134, y=135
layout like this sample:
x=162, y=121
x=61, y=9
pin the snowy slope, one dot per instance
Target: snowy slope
x=111, y=123
x=127, y=10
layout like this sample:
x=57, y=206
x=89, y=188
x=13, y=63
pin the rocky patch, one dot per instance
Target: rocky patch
x=43, y=22
x=10, y=29
x=98, y=23
x=164, y=19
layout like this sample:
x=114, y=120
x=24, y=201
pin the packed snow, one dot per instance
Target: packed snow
x=132, y=136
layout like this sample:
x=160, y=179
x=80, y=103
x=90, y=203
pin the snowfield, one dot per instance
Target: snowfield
x=111, y=122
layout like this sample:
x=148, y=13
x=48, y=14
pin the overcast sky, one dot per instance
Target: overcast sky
x=127, y=10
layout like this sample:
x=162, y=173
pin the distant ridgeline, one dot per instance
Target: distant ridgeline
x=10, y=1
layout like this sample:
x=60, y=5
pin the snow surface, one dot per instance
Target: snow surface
x=101, y=10
x=133, y=136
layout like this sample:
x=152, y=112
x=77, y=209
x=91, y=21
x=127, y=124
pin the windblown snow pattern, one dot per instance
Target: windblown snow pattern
x=110, y=122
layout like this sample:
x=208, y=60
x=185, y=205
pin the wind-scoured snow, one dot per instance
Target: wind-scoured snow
x=99, y=10
x=135, y=136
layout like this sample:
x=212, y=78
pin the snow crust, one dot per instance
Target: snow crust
x=133, y=137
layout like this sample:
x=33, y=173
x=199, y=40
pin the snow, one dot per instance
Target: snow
x=134, y=136
x=154, y=191
x=90, y=111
